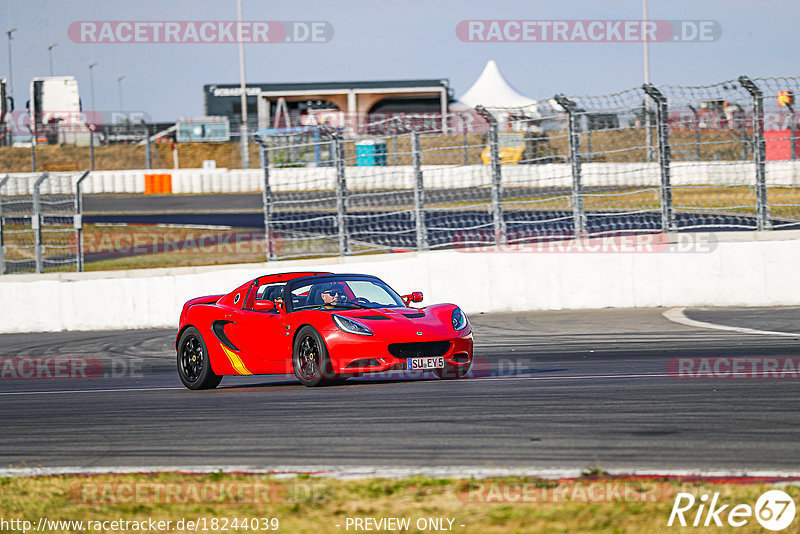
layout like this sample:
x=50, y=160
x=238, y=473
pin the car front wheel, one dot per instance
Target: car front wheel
x=310, y=359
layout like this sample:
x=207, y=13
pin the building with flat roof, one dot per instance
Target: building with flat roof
x=278, y=104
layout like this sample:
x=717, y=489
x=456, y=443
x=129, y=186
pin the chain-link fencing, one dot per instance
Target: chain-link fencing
x=40, y=223
x=124, y=146
x=782, y=150
x=714, y=182
x=301, y=217
x=720, y=157
x=17, y=236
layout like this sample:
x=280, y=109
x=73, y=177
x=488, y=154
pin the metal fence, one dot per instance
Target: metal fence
x=721, y=157
x=649, y=159
x=40, y=223
x=124, y=146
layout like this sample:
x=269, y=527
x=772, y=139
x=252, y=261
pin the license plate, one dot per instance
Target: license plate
x=431, y=362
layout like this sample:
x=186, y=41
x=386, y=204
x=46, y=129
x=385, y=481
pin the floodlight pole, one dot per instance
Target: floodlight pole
x=92, y=124
x=50, y=54
x=647, y=133
x=244, y=137
x=10, y=80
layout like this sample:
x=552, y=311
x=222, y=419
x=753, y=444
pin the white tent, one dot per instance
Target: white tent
x=512, y=109
x=492, y=90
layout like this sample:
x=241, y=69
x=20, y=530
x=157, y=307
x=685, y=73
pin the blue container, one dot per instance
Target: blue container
x=371, y=153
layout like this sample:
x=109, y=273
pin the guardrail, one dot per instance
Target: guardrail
x=193, y=181
x=754, y=272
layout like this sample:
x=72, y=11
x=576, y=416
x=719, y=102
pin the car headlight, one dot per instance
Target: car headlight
x=350, y=326
x=459, y=320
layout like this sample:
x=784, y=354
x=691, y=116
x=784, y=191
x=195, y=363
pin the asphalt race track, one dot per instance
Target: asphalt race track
x=568, y=389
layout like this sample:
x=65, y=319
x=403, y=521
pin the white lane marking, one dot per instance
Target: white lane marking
x=370, y=471
x=365, y=382
x=676, y=315
x=572, y=377
x=681, y=376
x=567, y=377
x=63, y=391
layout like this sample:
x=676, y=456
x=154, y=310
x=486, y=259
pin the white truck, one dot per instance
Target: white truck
x=55, y=110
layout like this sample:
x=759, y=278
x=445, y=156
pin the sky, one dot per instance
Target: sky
x=385, y=40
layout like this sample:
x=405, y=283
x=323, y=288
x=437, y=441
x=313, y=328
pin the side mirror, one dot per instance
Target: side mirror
x=416, y=296
x=263, y=305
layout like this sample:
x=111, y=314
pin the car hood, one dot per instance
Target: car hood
x=431, y=321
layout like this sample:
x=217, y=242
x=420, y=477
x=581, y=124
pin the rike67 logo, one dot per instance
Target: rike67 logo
x=774, y=510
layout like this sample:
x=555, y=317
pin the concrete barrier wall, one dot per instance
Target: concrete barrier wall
x=747, y=273
x=779, y=173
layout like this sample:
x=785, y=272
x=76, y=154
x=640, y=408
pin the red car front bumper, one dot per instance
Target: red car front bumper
x=351, y=353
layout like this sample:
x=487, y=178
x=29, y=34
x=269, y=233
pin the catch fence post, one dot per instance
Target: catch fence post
x=498, y=225
x=419, y=193
x=2, y=228
x=578, y=213
x=78, y=220
x=341, y=195
x=36, y=222
x=759, y=153
x=148, y=156
x=664, y=157
x=266, y=199
x=91, y=147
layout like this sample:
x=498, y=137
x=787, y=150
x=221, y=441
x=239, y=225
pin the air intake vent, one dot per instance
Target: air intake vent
x=416, y=350
x=371, y=317
x=364, y=363
x=414, y=315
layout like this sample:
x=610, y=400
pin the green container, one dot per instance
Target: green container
x=371, y=153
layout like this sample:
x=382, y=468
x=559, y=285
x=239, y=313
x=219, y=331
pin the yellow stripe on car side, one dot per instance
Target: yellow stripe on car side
x=236, y=362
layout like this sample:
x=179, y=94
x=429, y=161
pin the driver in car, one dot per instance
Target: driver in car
x=331, y=295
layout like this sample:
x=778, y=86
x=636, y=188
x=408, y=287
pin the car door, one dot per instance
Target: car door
x=261, y=339
x=258, y=333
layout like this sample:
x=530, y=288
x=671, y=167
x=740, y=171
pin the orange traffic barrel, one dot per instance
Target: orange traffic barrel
x=166, y=183
x=157, y=184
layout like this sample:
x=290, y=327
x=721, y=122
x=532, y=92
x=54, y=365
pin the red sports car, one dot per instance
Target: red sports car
x=323, y=327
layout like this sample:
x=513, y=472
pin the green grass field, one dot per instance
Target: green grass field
x=308, y=504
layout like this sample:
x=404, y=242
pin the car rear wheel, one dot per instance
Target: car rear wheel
x=450, y=372
x=310, y=360
x=194, y=367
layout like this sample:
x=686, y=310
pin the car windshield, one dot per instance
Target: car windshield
x=343, y=293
